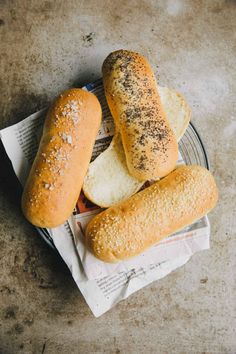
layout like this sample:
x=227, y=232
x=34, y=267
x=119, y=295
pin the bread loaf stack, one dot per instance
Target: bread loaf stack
x=144, y=148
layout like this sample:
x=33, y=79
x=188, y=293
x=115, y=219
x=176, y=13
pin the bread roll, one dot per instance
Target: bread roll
x=149, y=142
x=65, y=150
x=128, y=228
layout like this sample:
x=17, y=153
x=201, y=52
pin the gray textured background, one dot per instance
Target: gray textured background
x=47, y=46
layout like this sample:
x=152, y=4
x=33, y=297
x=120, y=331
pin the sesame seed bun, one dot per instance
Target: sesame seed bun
x=65, y=150
x=130, y=227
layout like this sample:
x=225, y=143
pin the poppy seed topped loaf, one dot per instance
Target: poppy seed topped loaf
x=149, y=142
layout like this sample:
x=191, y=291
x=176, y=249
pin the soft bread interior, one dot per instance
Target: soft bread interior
x=108, y=181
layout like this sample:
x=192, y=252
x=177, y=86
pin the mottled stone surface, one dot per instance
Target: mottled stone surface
x=47, y=46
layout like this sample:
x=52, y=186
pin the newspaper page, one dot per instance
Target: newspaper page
x=105, y=284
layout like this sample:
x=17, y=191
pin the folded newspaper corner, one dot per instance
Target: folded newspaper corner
x=102, y=284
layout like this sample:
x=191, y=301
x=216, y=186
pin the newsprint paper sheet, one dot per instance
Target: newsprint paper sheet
x=102, y=284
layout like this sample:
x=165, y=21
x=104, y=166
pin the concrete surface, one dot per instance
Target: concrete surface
x=47, y=46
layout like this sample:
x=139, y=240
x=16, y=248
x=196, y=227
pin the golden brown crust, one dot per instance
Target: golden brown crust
x=128, y=228
x=65, y=150
x=150, y=145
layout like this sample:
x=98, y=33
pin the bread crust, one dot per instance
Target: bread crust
x=149, y=142
x=65, y=150
x=128, y=228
